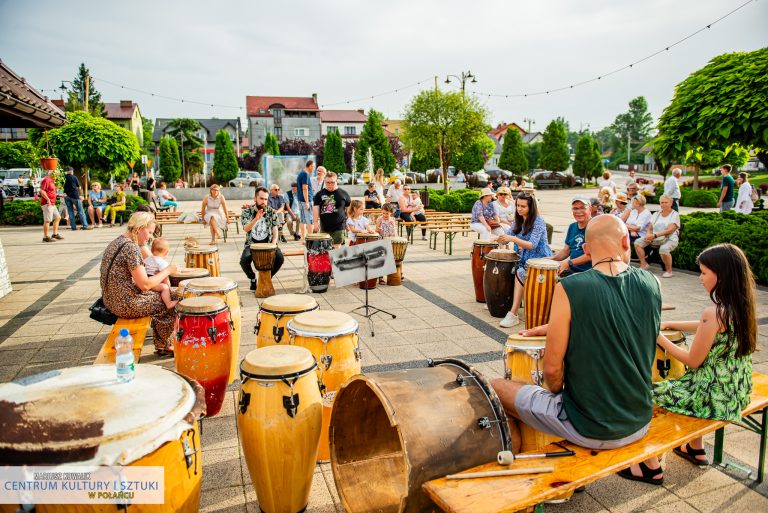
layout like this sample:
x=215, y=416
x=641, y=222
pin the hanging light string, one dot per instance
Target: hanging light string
x=623, y=68
x=371, y=97
x=180, y=100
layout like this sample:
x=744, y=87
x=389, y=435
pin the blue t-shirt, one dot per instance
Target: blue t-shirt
x=304, y=179
x=575, y=240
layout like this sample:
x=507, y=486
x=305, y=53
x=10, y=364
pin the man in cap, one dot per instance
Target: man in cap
x=73, y=201
x=572, y=258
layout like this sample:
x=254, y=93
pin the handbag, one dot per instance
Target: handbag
x=111, y=200
x=755, y=194
x=99, y=311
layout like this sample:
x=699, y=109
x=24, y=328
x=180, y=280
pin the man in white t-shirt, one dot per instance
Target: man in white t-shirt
x=672, y=188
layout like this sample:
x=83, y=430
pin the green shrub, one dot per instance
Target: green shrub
x=700, y=198
x=21, y=213
x=132, y=203
x=452, y=203
x=704, y=229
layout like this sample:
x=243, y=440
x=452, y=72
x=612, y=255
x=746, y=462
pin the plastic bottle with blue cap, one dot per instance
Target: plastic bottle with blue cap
x=124, y=362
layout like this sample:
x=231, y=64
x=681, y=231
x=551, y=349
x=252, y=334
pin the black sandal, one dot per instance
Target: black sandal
x=690, y=454
x=649, y=474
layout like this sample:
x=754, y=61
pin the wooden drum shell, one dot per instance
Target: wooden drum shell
x=263, y=256
x=479, y=250
x=203, y=258
x=664, y=365
x=399, y=246
x=540, y=281
x=499, y=283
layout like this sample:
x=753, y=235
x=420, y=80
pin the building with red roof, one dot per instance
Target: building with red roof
x=287, y=117
x=347, y=123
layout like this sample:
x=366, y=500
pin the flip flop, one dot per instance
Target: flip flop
x=690, y=454
x=649, y=475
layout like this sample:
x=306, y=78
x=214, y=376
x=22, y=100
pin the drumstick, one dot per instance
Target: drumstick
x=501, y=473
x=508, y=457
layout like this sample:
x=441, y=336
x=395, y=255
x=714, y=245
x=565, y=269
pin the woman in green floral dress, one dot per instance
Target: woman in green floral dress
x=718, y=382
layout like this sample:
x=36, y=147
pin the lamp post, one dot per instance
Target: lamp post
x=529, y=121
x=462, y=78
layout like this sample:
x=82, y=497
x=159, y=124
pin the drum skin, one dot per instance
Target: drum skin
x=187, y=274
x=279, y=449
x=499, y=285
x=664, y=365
x=542, y=276
x=479, y=250
x=393, y=431
x=204, y=257
x=273, y=318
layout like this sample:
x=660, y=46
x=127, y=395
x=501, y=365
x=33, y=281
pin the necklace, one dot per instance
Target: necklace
x=609, y=261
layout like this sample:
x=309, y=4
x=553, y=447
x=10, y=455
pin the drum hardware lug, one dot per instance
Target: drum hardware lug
x=291, y=404
x=507, y=374
x=358, y=354
x=495, y=270
x=277, y=332
x=256, y=328
x=326, y=360
x=663, y=367
x=461, y=380
x=538, y=377
x=212, y=333
x=188, y=452
x=179, y=333
x=486, y=423
x=245, y=400
x=321, y=385
x=232, y=325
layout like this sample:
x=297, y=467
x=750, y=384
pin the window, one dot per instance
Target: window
x=278, y=132
x=300, y=132
x=350, y=130
x=333, y=129
x=277, y=114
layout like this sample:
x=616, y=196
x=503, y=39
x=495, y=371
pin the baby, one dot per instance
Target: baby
x=156, y=263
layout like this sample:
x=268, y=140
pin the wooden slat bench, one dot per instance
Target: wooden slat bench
x=667, y=431
x=138, y=330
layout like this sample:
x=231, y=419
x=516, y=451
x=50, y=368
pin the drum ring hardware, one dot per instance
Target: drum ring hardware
x=256, y=327
x=245, y=400
x=212, y=333
x=326, y=360
x=277, y=332
x=179, y=333
x=358, y=354
x=495, y=270
x=486, y=423
x=290, y=402
x=537, y=376
x=190, y=451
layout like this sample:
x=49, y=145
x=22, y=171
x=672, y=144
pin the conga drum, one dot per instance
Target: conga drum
x=278, y=420
x=399, y=245
x=84, y=416
x=203, y=257
x=665, y=366
x=362, y=238
x=394, y=431
x=203, y=349
x=187, y=273
x=274, y=314
x=263, y=255
x=318, y=261
x=540, y=281
x=226, y=290
x=480, y=248
x=524, y=363
x=499, y=280
x=332, y=338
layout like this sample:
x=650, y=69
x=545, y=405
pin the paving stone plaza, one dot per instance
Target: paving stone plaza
x=44, y=325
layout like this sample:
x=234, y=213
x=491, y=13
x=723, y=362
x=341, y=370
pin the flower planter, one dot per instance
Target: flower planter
x=49, y=164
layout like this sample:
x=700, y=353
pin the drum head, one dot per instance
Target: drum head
x=398, y=240
x=534, y=342
x=263, y=246
x=674, y=335
x=191, y=273
x=367, y=236
x=82, y=414
x=279, y=360
x=203, y=249
x=318, y=236
x=215, y=284
x=289, y=303
x=503, y=255
x=543, y=263
x=485, y=243
x=201, y=304
x=323, y=321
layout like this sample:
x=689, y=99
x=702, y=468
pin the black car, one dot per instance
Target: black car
x=540, y=174
x=493, y=174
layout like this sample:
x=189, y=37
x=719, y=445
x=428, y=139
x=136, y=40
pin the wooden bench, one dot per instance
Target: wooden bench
x=138, y=330
x=667, y=431
x=547, y=183
x=449, y=234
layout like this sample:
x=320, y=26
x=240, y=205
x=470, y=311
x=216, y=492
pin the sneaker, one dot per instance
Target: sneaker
x=89, y=227
x=253, y=284
x=282, y=239
x=47, y=239
x=667, y=275
x=510, y=320
x=57, y=236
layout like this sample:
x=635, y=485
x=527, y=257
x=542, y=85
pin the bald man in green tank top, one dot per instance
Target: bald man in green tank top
x=601, y=341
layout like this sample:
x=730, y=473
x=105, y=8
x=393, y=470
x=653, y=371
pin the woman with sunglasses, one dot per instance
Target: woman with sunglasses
x=529, y=234
x=505, y=207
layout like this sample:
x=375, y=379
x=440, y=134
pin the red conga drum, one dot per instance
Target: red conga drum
x=318, y=261
x=480, y=248
x=362, y=238
x=203, y=350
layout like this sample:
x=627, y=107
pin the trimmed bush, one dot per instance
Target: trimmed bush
x=457, y=202
x=132, y=203
x=21, y=213
x=699, y=198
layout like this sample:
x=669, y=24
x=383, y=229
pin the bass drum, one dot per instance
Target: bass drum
x=401, y=429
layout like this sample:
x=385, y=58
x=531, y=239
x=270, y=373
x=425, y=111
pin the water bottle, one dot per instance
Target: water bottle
x=124, y=356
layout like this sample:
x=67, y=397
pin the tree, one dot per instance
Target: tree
x=512, y=153
x=76, y=94
x=184, y=131
x=170, y=163
x=147, y=127
x=717, y=107
x=554, y=152
x=90, y=143
x=18, y=154
x=606, y=139
x=597, y=160
x=444, y=122
x=333, y=155
x=224, y=159
x=421, y=163
x=532, y=152
x=583, y=161
x=635, y=123
x=271, y=146
x=471, y=159
x=373, y=137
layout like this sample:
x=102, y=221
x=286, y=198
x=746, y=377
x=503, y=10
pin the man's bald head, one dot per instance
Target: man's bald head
x=606, y=236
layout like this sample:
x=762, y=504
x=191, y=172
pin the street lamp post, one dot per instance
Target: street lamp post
x=462, y=78
x=529, y=121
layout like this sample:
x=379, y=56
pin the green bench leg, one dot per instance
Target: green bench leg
x=719, y=437
x=763, y=441
x=539, y=508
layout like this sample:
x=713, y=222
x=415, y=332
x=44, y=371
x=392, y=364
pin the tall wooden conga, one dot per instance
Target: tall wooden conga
x=540, y=281
x=362, y=238
x=499, y=280
x=666, y=366
x=263, y=255
x=226, y=290
x=187, y=273
x=480, y=248
x=203, y=349
x=332, y=338
x=279, y=419
x=393, y=431
x=203, y=257
x=399, y=245
x=274, y=314
x=84, y=416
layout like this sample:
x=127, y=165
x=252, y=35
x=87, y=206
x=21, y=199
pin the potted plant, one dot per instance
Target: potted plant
x=48, y=160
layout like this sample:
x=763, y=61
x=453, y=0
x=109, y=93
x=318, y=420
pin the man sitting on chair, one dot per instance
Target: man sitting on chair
x=260, y=225
x=601, y=343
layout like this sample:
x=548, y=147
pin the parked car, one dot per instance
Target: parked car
x=493, y=174
x=247, y=178
x=11, y=181
x=415, y=177
x=551, y=175
x=143, y=180
x=344, y=178
x=478, y=179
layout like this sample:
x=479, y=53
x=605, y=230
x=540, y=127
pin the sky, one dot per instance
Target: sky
x=220, y=52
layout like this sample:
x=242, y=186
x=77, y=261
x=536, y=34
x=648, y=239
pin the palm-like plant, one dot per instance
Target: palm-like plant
x=184, y=130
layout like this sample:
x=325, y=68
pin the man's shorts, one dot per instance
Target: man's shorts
x=338, y=237
x=50, y=212
x=543, y=411
x=305, y=216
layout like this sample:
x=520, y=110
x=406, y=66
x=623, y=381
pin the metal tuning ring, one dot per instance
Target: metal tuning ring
x=538, y=377
x=212, y=331
x=256, y=327
x=245, y=400
x=358, y=354
x=326, y=360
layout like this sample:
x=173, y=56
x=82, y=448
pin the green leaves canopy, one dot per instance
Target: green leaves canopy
x=512, y=153
x=18, y=154
x=225, y=166
x=475, y=156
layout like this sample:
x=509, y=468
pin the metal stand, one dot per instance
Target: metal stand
x=369, y=310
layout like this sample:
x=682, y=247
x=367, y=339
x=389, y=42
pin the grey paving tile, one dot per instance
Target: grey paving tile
x=219, y=432
x=221, y=468
x=620, y=495
x=733, y=498
x=223, y=500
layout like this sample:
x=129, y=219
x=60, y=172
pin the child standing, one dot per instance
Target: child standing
x=356, y=221
x=718, y=382
x=386, y=226
x=156, y=263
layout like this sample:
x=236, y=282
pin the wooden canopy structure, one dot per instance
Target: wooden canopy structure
x=23, y=106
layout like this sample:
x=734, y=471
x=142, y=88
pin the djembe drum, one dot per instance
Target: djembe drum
x=274, y=314
x=187, y=273
x=318, y=261
x=666, y=366
x=203, y=349
x=84, y=416
x=279, y=419
x=263, y=255
x=203, y=257
x=399, y=245
x=332, y=338
x=540, y=281
x=362, y=238
x=499, y=280
x=480, y=248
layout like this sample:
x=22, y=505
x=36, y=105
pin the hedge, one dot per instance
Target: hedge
x=460, y=201
x=28, y=212
x=700, y=198
x=703, y=229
